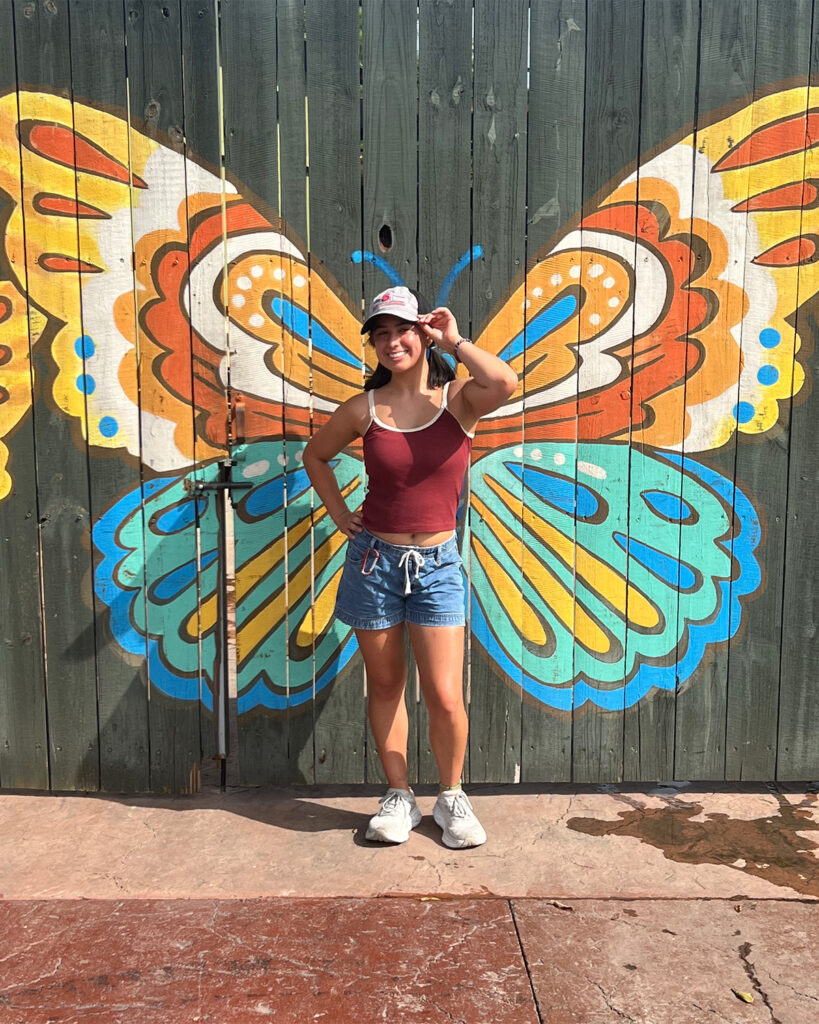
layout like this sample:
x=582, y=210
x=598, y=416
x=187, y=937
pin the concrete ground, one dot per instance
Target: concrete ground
x=588, y=905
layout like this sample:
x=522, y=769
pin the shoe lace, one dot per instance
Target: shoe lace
x=459, y=805
x=390, y=802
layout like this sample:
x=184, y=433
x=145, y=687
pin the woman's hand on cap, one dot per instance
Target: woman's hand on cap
x=440, y=328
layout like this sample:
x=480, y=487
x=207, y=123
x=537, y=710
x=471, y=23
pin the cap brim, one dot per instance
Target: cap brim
x=410, y=319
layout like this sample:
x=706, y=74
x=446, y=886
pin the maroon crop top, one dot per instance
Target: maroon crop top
x=415, y=477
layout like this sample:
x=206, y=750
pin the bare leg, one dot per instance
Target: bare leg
x=385, y=659
x=439, y=654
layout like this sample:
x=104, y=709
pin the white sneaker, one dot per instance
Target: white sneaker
x=453, y=812
x=399, y=814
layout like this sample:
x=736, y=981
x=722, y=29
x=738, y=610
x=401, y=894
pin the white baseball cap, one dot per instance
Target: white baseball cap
x=398, y=301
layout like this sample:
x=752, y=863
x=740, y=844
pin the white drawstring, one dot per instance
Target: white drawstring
x=405, y=561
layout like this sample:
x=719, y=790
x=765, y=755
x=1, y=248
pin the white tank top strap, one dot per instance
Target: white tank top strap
x=371, y=406
x=446, y=393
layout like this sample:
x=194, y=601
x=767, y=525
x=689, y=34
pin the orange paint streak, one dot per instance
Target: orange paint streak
x=61, y=206
x=58, y=143
x=773, y=140
x=799, y=195
x=793, y=253
x=59, y=264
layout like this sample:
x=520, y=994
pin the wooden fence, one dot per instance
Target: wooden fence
x=621, y=197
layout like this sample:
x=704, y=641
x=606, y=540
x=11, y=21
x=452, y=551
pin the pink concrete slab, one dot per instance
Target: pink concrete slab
x=591, y=842
x=672, y=962
x=292, y=961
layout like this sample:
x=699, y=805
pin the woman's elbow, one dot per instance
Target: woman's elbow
x=509, y=383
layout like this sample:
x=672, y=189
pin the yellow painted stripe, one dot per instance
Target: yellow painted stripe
x=318, y=617
x=526, y=622
x=265, y=619
x=556, y=594
x=591, y=569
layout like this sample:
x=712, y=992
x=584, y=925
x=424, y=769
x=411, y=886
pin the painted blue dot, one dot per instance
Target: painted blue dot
x=767, y=375
x=84, y=347
x=769, y=338
x=108, y=426
x=743, y=412
x=86, y=383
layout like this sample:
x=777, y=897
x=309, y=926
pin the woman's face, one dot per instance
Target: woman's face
x=397, y=343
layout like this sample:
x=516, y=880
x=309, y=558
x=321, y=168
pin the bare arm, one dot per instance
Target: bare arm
x=492, y=381
x=343, y=427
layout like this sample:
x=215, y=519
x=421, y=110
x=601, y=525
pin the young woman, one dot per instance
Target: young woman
x=402, y=562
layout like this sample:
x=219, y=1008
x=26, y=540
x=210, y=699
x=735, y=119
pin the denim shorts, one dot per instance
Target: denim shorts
x=385, y=584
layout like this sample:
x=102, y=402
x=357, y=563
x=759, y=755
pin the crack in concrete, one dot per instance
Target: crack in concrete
x=750, y=970
x=610, y=1005
x=708, y=1009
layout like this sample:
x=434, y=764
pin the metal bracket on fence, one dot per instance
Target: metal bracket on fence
x=221, y=697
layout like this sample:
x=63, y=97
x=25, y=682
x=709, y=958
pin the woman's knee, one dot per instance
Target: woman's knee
x=388, y=687
x=445, y=703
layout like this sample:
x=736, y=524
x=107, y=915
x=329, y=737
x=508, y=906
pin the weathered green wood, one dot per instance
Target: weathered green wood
x=42, y=37
x=557, y=68
x=668, y=99
x=154, y=46
x=292, y=92
x=611, y=140
x=444, y=187
x=727, y=42
x=202, y=137
x=390, y=183
x=783, y=41
x=334, y=133
x=797, y=756
x=122, y=691
x=498, y=216
x=23, y=730
x=248, y=39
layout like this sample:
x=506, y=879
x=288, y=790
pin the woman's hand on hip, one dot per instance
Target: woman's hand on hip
x=349, y=523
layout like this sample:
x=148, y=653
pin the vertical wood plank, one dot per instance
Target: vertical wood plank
x=292, y=93
x=43, y=59
x=798, y=712
x=783, y=41
x=154, y=46
x=23, y=729
x=390, y=196
x=444, y=189
x=499, y=226
x=334, y=147
x=611, y=140
x=248, y=39
x=123, y=697
x=669, y=62
x=728, y=36
x=554, y=189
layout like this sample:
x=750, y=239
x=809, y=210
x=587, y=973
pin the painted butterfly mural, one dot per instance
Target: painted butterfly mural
x=605, y=556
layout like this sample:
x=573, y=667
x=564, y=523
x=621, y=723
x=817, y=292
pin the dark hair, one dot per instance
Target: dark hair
x=439, y=371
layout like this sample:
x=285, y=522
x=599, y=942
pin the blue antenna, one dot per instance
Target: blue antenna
x=365, y=256
x=471, y=254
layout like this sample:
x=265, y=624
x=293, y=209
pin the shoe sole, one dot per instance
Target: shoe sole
x=379, y=837
x=455, y=844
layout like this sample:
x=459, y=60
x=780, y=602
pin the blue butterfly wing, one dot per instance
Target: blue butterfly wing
x=600, y=613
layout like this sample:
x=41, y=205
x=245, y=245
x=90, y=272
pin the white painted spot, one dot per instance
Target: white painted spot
x=257, y=320
x=256, y=270
x=556, y=279
x=256, y=469
x=281, y=459
x=238, y=300
x=560, y=459
x=245, y=283
x=536, y=454
x=614, y=302
x=574, y=272
x=590, y=469
x=278, y=273
x=299, y=455
x=609, y=282
x=596, y=269
x=299, y=280
x=537, y=292
x=594, y=319
x=518, y=452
